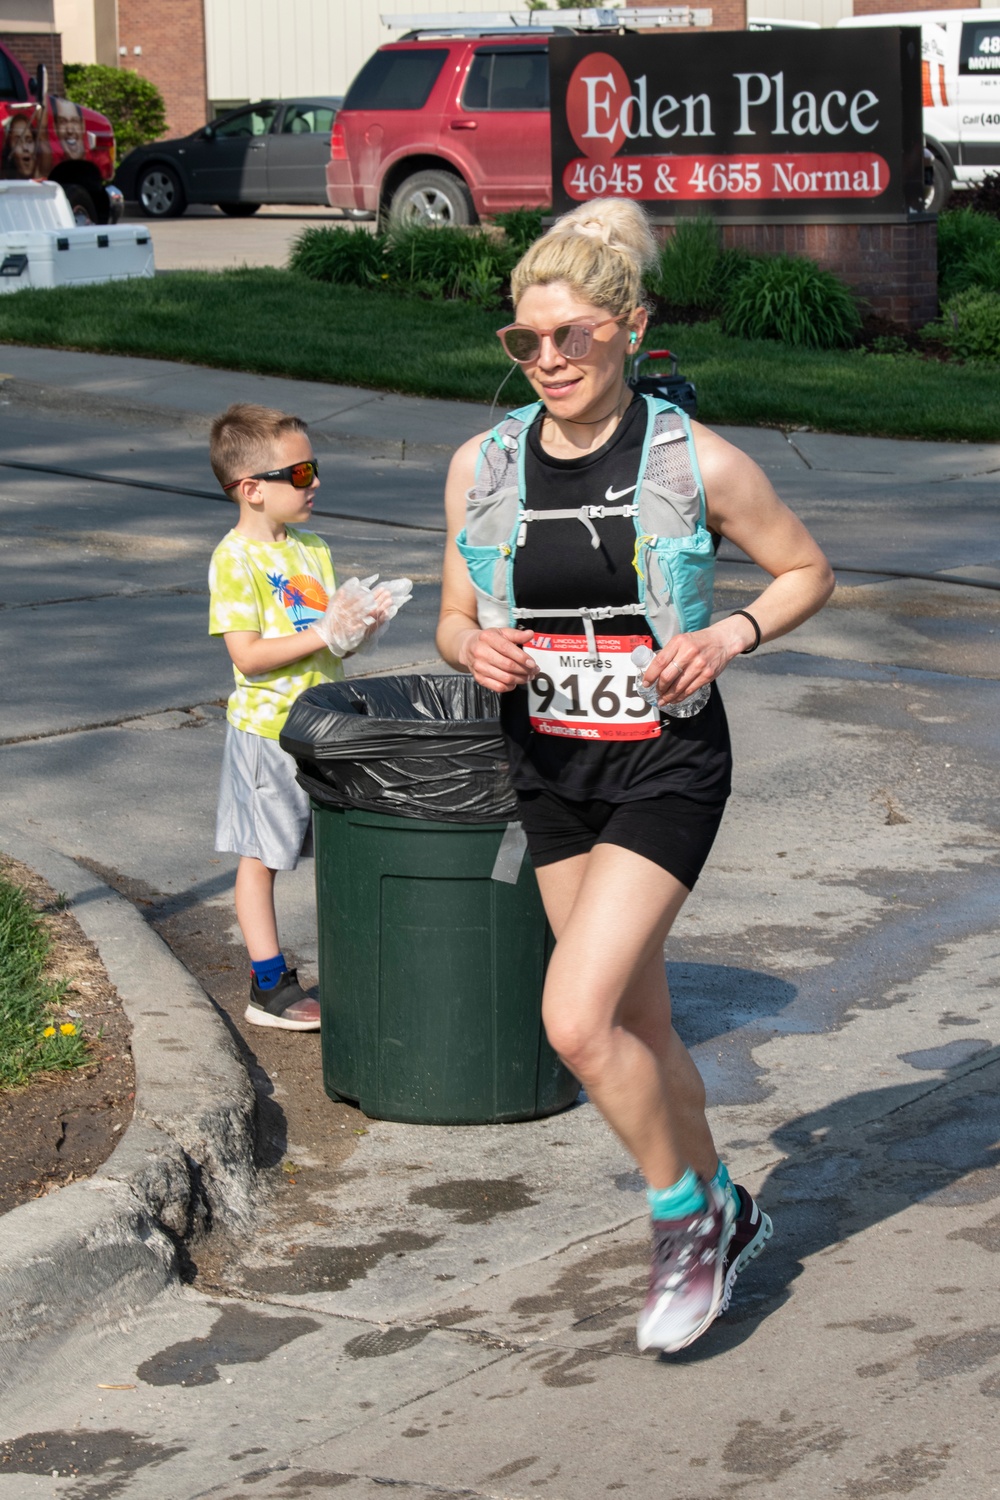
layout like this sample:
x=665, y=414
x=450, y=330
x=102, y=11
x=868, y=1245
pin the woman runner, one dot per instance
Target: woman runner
x=578, y=525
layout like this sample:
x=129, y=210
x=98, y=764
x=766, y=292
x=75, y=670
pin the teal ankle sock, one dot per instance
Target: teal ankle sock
x=684, y=1198
x=724, y=1184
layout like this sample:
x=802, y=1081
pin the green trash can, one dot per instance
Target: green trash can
x=432, y=938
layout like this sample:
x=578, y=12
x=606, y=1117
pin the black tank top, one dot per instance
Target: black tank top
x=558, y=565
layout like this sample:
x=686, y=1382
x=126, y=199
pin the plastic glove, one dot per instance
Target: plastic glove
x=389, y=600
x=349, y=616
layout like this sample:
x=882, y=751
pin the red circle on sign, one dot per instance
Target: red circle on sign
x=597, y=90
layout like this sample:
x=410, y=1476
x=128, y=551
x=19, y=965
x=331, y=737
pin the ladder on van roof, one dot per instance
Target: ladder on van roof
x=475, y=23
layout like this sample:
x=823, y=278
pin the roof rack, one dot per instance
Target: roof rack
x=468, y=23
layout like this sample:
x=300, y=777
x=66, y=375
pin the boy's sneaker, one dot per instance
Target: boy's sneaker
x=751, y=1232
x=283, y=1005
x=686, y=1280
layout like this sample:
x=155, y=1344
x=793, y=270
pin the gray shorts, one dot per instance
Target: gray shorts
x=263, y=812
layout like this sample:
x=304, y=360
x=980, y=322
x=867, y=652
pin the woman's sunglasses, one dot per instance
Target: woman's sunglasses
x=573, y=340
x=299, y=476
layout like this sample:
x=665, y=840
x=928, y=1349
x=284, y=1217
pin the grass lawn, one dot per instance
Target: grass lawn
x=31, y=1040
x=276, y=323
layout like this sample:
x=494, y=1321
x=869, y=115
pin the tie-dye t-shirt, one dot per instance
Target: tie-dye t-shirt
x=274, y=588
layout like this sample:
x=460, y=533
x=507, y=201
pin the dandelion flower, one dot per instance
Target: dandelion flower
x=49, y=1031
x=67, y=1028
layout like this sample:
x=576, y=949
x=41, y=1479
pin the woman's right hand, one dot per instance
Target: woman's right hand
x=496, y=658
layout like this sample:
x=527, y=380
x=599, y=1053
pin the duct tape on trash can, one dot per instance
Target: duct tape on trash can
x=507, y=865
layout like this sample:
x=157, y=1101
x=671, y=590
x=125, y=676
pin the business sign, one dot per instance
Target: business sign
x=800, y=126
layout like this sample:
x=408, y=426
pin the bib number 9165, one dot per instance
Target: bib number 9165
x=579, y=694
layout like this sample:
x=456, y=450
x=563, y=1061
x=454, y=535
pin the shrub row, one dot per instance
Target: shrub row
x=779, y=297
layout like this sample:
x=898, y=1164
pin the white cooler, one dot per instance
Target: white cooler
x=41, y=244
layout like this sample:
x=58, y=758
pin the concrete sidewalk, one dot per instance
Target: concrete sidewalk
x=836, y=975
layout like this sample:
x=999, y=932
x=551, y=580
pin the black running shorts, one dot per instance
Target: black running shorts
x=674, y=832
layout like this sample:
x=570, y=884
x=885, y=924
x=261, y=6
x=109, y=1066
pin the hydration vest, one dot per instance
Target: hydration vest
x=674, y=556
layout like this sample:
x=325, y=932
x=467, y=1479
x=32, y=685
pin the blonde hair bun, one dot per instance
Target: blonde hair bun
x=600, y=248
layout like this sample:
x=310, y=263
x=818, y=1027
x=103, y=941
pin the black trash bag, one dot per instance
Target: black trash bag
x=415, y=747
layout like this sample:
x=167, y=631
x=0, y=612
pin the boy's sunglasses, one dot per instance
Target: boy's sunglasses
x=299, y=476
x=523, y=344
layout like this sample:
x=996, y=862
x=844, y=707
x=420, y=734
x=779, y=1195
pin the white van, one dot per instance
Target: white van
x=961, y=76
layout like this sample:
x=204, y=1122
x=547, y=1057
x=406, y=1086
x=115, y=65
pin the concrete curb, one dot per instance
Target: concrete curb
x=94, y=1251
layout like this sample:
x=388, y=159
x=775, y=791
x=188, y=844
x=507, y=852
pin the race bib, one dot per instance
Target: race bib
x=585, y=697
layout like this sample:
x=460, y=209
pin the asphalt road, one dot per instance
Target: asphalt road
x=453, y=1309
x=206, y=239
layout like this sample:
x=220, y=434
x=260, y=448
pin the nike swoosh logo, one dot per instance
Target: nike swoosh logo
x=611, y=495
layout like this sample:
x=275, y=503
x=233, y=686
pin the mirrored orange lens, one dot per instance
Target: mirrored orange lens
x=302, y=475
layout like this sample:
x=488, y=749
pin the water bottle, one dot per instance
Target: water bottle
x=686, y=708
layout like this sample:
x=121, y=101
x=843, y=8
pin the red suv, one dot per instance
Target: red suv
x=443, y=129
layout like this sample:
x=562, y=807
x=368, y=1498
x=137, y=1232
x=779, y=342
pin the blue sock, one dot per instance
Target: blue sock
x=686, y=1197
x=267, y=971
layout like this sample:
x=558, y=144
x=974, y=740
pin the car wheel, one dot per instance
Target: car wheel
x=938, y=190
x=239, y=210
x=82, y=204
x=161, y=193
x=433, y=199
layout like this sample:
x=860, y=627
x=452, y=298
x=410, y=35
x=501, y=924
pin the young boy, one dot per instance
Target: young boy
x=286, y=625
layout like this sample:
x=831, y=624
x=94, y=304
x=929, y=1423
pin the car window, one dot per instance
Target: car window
x=256, y=121
x=980, y=47
x=10, y=87
x=307, y=119
x=507, y=78
x=396, y=80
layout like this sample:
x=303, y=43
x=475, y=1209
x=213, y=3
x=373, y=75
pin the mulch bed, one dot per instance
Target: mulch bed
x=62, y=1126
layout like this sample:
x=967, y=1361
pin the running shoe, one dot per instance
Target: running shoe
x=284, y=1005
x=751, y=1232
x=686, y=1281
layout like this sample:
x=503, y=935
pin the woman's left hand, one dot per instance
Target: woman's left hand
x=688, y=661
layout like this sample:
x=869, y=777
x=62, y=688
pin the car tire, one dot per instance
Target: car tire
x=83, y=206
x=435, y=200
x=238, y=210
x=938, y=190
x=160, y=192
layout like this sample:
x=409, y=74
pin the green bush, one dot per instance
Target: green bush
x=431, y=263
x=344, y=257
x=687, y=273
x=970, y=324
x=522, y=226
x=968, y=251
x=793, y=300
x=132, y=104
x=985, y=197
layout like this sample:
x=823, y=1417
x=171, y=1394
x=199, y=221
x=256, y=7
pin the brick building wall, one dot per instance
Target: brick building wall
x=32, y=47
x=171, y=35
x=727, y=15
x=892, y=266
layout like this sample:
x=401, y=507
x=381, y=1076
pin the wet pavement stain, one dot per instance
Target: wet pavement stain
x=102, y=1463
x=948, y=1056
x=304, y=1484
x=582, y=1288
x=883, y=1323
x=514, y=1467
x=958, y=1355
x=770, y=1451
x=332, y=1268
x=239, y=1336
x=986, y=1236
x=378, y=1344
x=899, y=1473
x=476, y=1200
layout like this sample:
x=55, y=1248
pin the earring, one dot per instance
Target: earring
x=633, y=337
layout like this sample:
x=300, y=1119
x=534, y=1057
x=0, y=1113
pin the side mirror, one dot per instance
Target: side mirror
x=208, y=134
x=39, y=85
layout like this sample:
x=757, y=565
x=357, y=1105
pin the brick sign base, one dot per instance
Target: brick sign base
x=892, y=266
